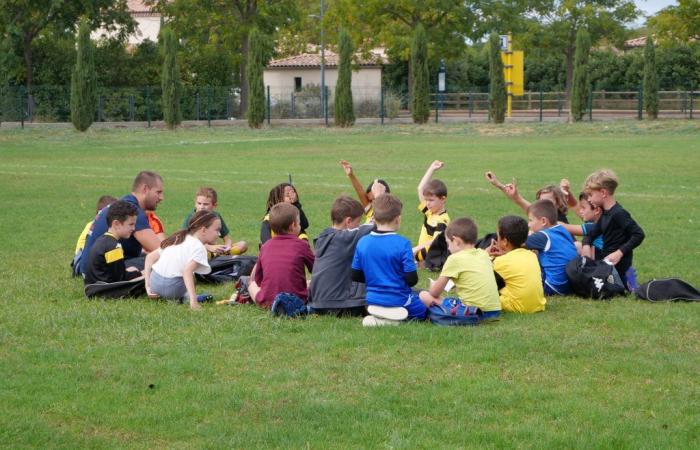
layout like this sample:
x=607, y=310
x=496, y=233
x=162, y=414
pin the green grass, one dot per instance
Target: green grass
x=78, y=373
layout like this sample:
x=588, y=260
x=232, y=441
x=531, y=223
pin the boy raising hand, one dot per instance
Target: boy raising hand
x=432, y=196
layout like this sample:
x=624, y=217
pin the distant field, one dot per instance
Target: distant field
x=78, y=373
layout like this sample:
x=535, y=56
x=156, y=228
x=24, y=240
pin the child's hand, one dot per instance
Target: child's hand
x=346, y=167
x=494, y=250
x=195, y=306
x=565, y=186
x=491, y=178
x=378, y=189
x=436, y=165
x=511, y=189
x=614, y=257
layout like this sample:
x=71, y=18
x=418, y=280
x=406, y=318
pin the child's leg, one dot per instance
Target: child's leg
x=427, y=299
x=168, y=288
x=416, y=308
x=253, y=290
x=239, y=248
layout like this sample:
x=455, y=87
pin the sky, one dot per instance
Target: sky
x=652, y=6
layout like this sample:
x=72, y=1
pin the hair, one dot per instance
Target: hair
x=602, y=179
x=544, y=208
x=380, y=181
x=559, y=197
x=582, y=196
x=386, y=208
x=513, y=229
x=463, y=228
x=145, y=177
x=104, y=201
x=120, y=210
x=208, y=193
x=345, y=206
x=276, y=195
x=282, y=216
x=436, y=188
x=198, y=220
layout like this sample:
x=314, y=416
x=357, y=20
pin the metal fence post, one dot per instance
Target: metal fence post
x=131, y=108
x=470, y=102
x=437, y=108
x=639, y=103
x=20, y=108
x=100, y=108
x=325, y=104
x=590, y=105
x=293, y=102
x=692, y=94
x=269, y=105
x=209, y=106
x=541, y=102
x=381, y=104
x=197, y=105
x=148, y=105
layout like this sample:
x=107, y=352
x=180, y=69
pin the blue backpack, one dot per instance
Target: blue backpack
x=453, y=313
x=288, y=305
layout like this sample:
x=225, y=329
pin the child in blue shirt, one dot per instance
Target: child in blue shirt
x=554, y=246
x=383, y=260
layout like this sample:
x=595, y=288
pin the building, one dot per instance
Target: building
x=147, y=22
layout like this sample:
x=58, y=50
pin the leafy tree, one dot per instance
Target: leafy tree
x=170, y=79
x=677, y=23
x=651, y=83
x=497, y=87
x=580, y=87
x=83, y=89
x=344, y=113
x=420, y=100
x=256, y=87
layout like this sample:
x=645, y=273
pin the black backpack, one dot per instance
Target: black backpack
x=119, y=289
x=593, y=279
x=437, y=253
x=667, y=289
x=226, y=268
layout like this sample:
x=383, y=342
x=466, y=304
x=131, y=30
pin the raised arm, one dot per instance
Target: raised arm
x=511, y=191
x=361, y=194
x=565, y=187
x=435, y=165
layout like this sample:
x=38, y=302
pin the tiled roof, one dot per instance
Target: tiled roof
x=138, y=8
x=636, y=42
x=314, y=60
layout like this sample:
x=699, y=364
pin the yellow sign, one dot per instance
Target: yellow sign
x=513, y=72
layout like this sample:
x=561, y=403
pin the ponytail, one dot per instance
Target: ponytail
x=198, y=220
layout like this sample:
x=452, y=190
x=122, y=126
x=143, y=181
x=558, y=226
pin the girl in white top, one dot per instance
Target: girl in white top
x=169, y=271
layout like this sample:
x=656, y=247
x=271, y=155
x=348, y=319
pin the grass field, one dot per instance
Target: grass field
x=144, y=374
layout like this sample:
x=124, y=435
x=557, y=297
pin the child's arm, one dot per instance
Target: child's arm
x=432, y=295
x=151, y=259
x=188, y=278
x=435, y=165
x=511, y=191
x=575, y=230
x=361, y=194
x=265, y=232
x=303, y=221
x=565, y=187
x=631, y=229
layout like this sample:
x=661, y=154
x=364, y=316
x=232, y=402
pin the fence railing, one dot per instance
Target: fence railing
x=209, y=103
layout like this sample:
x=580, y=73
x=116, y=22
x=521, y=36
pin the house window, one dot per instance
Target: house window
x=297, y=84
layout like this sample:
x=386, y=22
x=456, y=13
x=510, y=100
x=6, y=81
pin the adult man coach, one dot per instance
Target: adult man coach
x=146, y=193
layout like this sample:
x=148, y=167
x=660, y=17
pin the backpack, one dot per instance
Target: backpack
x=437, y=253
x=75, y=264
x=667, y=289
x=485, y=242
x=119, y=289
x=453, y=313
x=288, y=305
x=593, y=279
x=226, y=268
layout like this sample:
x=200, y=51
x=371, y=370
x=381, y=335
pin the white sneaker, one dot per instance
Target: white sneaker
x=391, y=313
x=372, y=321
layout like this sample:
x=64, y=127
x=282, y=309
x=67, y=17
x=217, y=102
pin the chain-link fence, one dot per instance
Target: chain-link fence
x=143, y=104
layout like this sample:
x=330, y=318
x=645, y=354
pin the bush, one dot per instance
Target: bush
x=83, y=94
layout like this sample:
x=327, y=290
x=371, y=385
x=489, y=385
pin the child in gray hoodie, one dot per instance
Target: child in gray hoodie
x=332, y=290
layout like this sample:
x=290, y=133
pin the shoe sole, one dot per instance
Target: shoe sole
x=383, y=312
x=372, y=321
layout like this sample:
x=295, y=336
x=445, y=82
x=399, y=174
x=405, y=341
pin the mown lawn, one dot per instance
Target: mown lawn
x=78, y=373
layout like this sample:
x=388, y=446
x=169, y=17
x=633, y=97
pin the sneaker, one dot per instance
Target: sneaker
x=372, y=321
x=204, y=298
x=391, y=313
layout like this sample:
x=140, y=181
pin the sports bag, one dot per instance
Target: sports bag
x=289, y=305
x=593, y=279
x=119, y=289
x=667, y=289
x=226, y=268
x=437, y=253
x=453, y=313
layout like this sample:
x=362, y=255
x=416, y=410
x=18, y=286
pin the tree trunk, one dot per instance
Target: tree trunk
x=410, y=83
x=29, y=71
x=245, y=48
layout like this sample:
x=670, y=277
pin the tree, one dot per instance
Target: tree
x=344, y=113
x=679, y=23
x=254, y=77
x=580, y=86
x=497, y=87
x=420, y=99
x=170, y=79
x=83, y=88
x=651, y=82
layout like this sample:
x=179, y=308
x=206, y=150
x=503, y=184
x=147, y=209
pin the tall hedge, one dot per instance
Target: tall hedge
x=170, y=79
x=420, y=102
x=498, y=96
x=651, y=82
x=83, y=85
x=344, y=112
x=580, y=85
x=256, y=86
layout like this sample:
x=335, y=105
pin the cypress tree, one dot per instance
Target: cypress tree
x=170, y=79
x=420, y=104
x=83, y=84
x=344, y=113
x=651, y=83
x=580, y=83
x=497, y=87
x=254, y=73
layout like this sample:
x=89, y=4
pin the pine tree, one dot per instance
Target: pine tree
x=420, y=104
x=344, y=113
x=170, y=79
x=256, y=86
x=83, y=85
x=498, y=95
x=651, y=82
x=580, y=84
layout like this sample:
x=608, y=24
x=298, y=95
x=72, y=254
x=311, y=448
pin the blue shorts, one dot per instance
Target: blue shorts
x=485, y=315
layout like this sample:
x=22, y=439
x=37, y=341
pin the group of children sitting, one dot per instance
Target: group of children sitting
x=368, y=269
